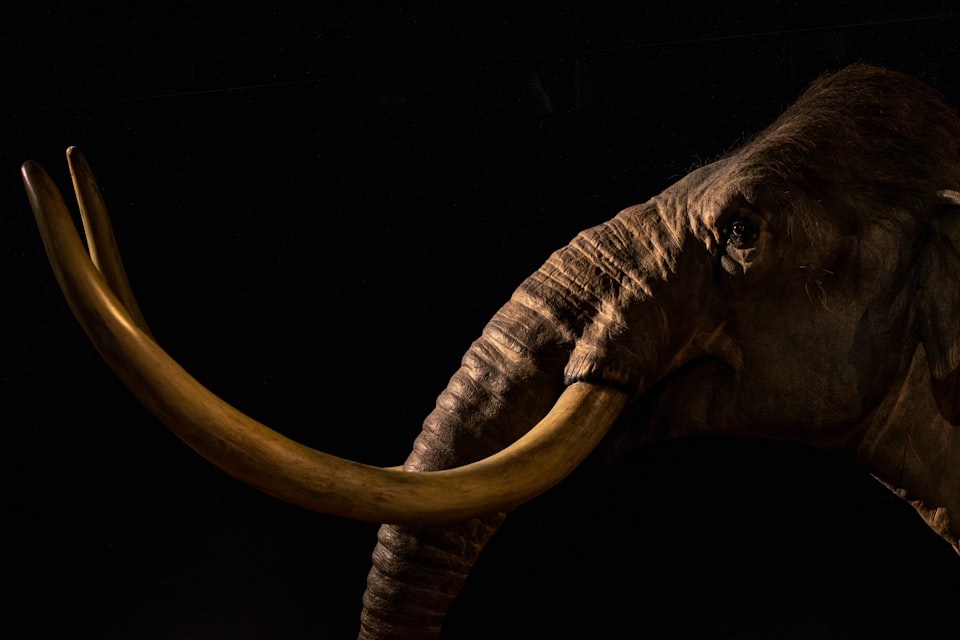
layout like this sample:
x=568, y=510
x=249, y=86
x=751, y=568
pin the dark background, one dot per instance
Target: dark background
x=319, y=209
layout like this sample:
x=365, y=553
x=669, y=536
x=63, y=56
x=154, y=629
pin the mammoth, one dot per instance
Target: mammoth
x=803, y=288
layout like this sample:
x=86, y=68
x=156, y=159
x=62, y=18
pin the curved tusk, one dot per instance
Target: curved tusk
x=274, y=464
x=101, y=242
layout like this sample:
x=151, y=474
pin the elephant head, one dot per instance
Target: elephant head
x=805, y=288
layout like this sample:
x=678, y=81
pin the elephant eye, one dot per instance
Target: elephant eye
x=740, y=233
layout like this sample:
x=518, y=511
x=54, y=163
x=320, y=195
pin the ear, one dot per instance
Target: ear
x=938, y=305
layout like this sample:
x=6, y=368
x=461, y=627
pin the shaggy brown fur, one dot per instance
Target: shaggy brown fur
x=880, y=137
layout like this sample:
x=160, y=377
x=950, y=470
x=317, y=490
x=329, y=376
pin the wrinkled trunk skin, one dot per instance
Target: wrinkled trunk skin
x=508, y=380
x=417, y=571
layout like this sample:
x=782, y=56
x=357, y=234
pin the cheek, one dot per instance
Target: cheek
x=802, y=395
x=883, y=344
x=812, y=362
x=820, y=378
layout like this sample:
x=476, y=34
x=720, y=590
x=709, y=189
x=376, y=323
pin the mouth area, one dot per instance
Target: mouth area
x=690, y=401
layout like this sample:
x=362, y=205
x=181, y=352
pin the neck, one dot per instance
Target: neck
x=908, y=444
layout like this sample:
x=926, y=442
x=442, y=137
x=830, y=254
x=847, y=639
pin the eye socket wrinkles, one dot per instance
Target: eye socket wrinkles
x=739, y=232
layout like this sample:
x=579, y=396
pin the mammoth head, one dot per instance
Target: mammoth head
x=805, y=288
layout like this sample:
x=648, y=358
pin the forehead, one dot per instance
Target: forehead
x=711, y=191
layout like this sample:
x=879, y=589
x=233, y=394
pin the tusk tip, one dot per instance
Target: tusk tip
x=32, y=171
x=75, y=156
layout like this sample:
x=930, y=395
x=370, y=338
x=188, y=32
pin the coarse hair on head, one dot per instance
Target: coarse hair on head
x=872, y=137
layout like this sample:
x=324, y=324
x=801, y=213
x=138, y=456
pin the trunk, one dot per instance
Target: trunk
x=478, y=414
x=553, y=332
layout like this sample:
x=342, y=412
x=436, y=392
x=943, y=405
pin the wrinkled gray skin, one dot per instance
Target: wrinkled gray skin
x=801, y=288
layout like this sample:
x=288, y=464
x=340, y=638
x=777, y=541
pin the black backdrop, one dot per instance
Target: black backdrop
x=319, y=208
